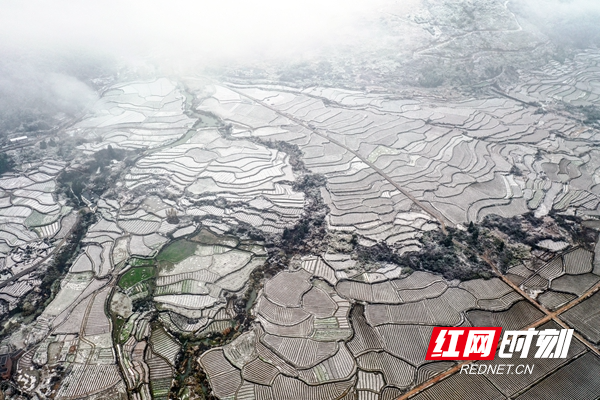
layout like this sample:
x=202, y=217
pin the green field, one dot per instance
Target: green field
x=135, y=275
x=140, y=262
x=177, y=251
x=125, y=330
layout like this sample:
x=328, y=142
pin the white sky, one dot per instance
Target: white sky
x=180, y=28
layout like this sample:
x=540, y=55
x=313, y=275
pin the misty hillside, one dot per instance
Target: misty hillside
x=47, y=76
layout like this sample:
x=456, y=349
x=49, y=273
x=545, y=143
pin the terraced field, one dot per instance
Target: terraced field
x=34, y=220
x=185, y=253
x=127, y=232
x=455, y=163
x=329, y=336
x=318, y=333
x=574, y=82
x=396, y=168
x=136, y=115
x=208, y=168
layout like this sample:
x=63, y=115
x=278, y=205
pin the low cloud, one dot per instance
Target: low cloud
x=51, y=50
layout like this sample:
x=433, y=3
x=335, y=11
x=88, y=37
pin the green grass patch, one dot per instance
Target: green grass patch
x=177, y=251
x=160, y=387
x=37, y=219
x=118, y=323
x=136, y=275
x=141, y=262
x=125, y=331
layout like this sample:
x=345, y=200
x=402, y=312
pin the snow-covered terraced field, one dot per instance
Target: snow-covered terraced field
x=193, y=289
x=32, y=218
x=575, y=82
x=326, y=325
x=304, y=338
x=208, y=167
x=464, y=159
x=136, y=115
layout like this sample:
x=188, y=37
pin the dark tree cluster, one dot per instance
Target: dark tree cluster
x=592, y=115
x=513, y=227
x=380, y=252
x=529, y=230
x=6, y=163
x=439, y=254
x=581, y=235
x=190, y=374
x=105, y=156
x=516, y=171
x=292, y=150
x=94, y=175
x=172, y=216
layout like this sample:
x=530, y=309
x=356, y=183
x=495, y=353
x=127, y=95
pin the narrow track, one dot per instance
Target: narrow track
x=526, y=103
